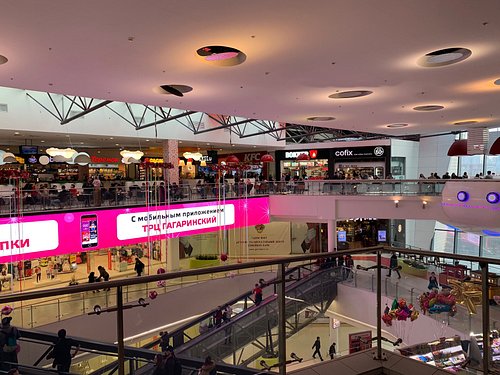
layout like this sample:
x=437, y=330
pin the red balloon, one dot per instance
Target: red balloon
x=223, y=257
x=153, y=294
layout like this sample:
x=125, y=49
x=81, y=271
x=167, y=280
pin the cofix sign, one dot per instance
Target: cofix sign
x=360, y=152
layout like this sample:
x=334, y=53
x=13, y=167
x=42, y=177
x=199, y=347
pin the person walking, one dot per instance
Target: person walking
x=8, y=344
x=257, y=292
x=332, y=350
x=139, y=266
x=393, y=265
x=317, y=346
x=61, y=353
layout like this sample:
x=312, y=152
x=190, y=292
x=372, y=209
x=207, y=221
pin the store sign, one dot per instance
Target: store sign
x=154, y=160
x=155, y=223
x=103, y=160
x=294, y=154
x=354, y=152
x=28, y=237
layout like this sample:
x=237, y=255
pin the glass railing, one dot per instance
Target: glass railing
x=14, y=200
x=304, y=301
x=36, y=313
x=360, y=187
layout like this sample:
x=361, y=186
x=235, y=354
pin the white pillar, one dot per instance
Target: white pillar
x=332, y=235
x=172, y=248
x=171, y=155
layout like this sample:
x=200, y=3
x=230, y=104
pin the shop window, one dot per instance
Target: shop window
x=467, y=244
x=398, y=167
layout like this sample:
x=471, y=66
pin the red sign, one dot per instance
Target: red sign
x=313, y=154
x=360, y=341
x=99, y=159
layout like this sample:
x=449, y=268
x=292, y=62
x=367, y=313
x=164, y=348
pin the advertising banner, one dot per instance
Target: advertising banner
x=28, y=237
x=260, y=239
x=360, y=341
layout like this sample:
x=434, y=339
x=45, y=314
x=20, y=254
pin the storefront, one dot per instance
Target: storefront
x=362, y=232
x=335, y=163
x=316, y=168
x=250, y=160
x=108, y=168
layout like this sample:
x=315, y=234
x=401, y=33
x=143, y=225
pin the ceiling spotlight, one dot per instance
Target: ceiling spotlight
x=465, y=123
x=463, y=196
x=3, y=59
x=177, y=90
x=497, y=82
x=221, y=55
x=493, y=197
x=428, y=108
x=350, y=94
x=396, y=203
x=444, y=57
x=424, y=204
x=397, y=125
x=320, y=118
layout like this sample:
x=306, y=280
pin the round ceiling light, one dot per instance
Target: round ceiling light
x=497, y=82
x=443, y=57
x=393, y=126
x=3, y=59
x=221, y=55
x=177, y=90
x=467, y=122
x=427, y=108
x=493, y=197
x=321, y=118
x=350, y=94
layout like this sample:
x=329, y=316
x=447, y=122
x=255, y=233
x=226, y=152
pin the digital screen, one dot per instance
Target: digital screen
x=89, y=231
x=28, y=150
x=342, y=237
x=382, y=236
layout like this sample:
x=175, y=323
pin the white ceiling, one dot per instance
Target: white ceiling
x=298, y=53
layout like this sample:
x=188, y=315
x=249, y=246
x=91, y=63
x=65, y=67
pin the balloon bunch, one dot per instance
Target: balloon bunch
x=161, y=283
x=6, y=310
x=399, y=310
x=436, y=302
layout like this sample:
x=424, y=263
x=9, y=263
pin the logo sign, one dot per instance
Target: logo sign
x=252, y=157
x=378, y=151
x=98, y=159
x=359, y=152
x=294, y=154
x=345, y=152
x=313, y=154
x=161, y=222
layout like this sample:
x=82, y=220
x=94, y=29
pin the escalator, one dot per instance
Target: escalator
x=306, y=298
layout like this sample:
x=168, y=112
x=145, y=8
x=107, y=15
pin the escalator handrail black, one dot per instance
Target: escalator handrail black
x=211, y=313
x=243, y=314
x=130, y=352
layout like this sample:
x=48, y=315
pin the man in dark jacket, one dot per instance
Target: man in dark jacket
x=62, y=352
x=393, y=265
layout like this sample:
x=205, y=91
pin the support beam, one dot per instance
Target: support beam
x=281, y=320
x=86, y=111
x=166, y=119
x=228, y=125
x=486, y=316
x=379, y=304
x=119, y=331
x=287, y=127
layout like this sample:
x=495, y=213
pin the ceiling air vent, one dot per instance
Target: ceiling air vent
x=4, y=108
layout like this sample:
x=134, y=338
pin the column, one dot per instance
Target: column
x=172, y=249
x=171, y=155
x=332, y=235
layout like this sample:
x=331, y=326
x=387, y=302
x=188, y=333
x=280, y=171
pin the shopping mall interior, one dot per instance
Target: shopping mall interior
x=281, y=187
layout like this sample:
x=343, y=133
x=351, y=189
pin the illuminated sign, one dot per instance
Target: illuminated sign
x=28, y=237
x=294, y=154
x=99, y=159
x=341, y=234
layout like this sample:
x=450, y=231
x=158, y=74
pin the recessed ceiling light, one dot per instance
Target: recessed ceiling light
x=467, y=122
x=16, y=133
x=397, y=125
x=208, y=144
x=42, y=141
x=180, y=141
x=3, y=59
x=497, y=82
x=446, y=56
x=321, y=118
x=147, y=140
x=221, y=55
x=81, y=143
x=117, y=144
x=177, y=90
x=111, y=138
x=350, y=94
x=428, y=108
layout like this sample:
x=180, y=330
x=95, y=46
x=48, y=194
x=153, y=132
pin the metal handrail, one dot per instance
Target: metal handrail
x=231, y=267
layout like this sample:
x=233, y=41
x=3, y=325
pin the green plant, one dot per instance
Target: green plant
x=207, y=257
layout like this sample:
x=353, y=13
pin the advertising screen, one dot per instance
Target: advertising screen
x=382, y=236
x=342, y=236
